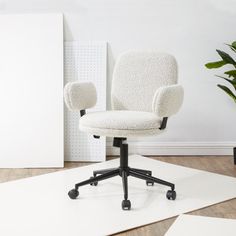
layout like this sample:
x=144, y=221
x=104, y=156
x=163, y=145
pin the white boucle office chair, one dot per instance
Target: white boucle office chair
x=144, y=94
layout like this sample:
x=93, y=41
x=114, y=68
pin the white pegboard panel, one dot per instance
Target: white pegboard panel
x=85, y=61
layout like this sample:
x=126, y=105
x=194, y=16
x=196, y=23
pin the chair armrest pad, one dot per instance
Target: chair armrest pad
x=167, y=100
x=80, y=95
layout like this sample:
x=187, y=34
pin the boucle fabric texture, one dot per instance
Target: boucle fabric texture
x=120, y=123
x=144, y=90
x=80, y=95
x=167, y=100
x=137, y=75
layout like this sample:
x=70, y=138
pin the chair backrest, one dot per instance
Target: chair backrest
x=136, y=77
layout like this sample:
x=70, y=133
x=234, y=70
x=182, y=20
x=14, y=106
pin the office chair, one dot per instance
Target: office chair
x=144, y=95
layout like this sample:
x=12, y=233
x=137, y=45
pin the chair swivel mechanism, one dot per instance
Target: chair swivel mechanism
x=144, y=95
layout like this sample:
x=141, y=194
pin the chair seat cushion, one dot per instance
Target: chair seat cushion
x=120, y=123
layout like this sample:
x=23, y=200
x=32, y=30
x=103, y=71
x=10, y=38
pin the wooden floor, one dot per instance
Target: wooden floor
x=222, y=165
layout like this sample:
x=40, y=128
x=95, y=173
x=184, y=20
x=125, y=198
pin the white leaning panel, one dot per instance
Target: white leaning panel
x=31, y=91
x=85, y=61
x=191, y=225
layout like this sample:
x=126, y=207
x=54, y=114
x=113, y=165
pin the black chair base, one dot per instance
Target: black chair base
x=124, y=171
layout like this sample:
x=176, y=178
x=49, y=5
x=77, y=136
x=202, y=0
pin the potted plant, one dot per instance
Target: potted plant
x=229, y=75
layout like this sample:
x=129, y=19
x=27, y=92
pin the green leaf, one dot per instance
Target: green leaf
x=216, y=64
x=226, y=57
x=228, y=91
x=232, y=82
x=234, y=45
x=231, y=73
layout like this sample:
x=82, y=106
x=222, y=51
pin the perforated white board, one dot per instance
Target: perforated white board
x=85, y=61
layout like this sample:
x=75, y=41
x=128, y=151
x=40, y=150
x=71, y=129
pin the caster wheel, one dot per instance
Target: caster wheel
x=149, y=183
x=171, y=195
x=94, y=183
x=126, y=204
x=73, y=194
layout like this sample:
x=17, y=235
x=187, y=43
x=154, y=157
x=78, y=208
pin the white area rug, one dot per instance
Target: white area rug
x=40, y=205
x=187, y=225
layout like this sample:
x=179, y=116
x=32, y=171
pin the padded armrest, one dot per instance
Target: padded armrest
x=167, y=100
x=80, y=95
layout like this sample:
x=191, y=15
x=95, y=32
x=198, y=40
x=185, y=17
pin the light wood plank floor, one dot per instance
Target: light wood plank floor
x=220, y=164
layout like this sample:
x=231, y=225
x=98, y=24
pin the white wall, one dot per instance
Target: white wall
x=190, y=30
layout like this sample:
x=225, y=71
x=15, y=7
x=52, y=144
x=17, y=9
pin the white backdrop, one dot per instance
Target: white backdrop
x=31, y=90
x=189, y=29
